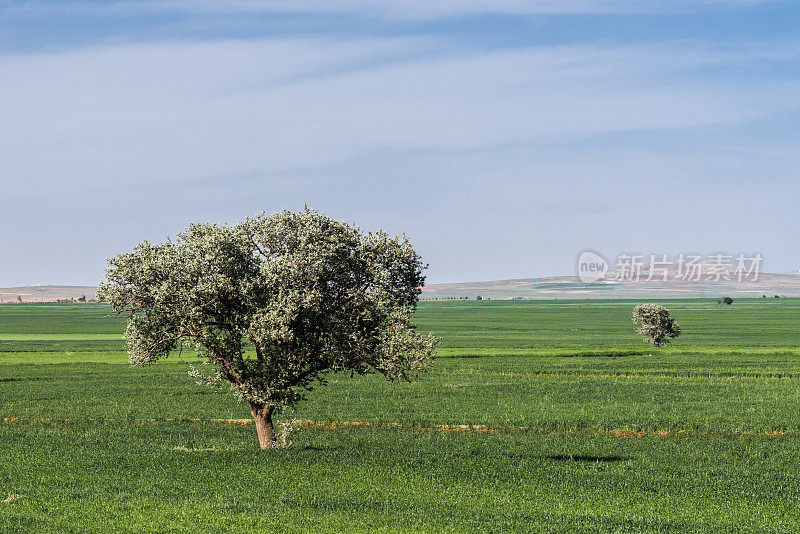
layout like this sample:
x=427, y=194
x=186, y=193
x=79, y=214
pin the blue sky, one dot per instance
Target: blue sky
x=503, y=137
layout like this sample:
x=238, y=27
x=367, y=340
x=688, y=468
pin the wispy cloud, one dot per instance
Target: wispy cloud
x=175, y=111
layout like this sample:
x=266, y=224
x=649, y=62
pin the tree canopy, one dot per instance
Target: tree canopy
x=656, y=326
x=274, y=303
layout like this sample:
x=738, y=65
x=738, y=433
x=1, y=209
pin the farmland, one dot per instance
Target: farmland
x=536, y=415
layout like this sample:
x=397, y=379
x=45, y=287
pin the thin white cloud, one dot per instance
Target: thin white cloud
x=176, y=111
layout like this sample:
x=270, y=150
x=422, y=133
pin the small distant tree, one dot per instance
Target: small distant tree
x=478, y=298
x=777, y=296
x=82, y=298
x=19, y=298
x=656, y=326
x=274, y=304
x=727, y=300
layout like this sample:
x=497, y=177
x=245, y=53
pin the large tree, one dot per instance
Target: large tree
x=274, y=304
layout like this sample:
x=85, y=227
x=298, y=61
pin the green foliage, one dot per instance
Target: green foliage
x=727, y=300
x=656, y=326
x=309, y=294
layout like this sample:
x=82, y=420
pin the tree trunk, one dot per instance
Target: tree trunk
x=262, y=416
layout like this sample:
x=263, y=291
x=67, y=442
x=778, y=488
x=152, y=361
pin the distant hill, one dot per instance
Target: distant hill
x=555, y=287
x=570, y=287
x=46, y=293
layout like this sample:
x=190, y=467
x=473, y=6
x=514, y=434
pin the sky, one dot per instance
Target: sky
x=502, y=137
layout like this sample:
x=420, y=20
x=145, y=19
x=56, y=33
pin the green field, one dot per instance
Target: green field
x=570, y=424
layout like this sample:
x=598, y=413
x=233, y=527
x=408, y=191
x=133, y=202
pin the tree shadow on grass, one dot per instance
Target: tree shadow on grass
x=586, y=458
x=604, y=354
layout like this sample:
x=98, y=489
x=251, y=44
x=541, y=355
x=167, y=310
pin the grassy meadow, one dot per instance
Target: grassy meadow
x=536, y=416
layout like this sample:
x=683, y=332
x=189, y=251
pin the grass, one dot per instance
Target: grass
x=588, y=429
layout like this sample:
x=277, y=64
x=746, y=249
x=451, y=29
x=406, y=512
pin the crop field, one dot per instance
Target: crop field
x=535, y=416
